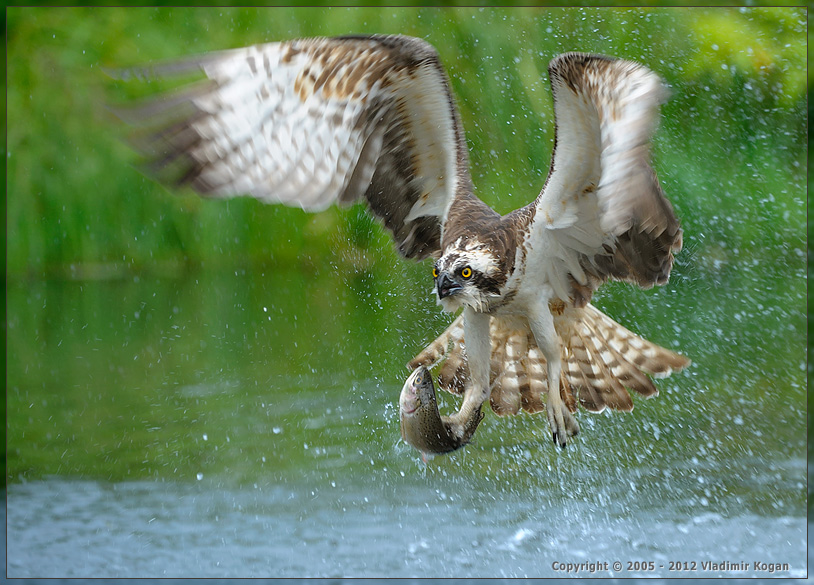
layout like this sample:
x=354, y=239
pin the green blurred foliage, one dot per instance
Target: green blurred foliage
x=78, y=206
x=730, y=152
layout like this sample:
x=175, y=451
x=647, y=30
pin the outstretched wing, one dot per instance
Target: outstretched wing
x=602, y=204
x=311, y=122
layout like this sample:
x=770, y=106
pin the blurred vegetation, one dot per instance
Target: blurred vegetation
x=77, y=206
x=730, y=152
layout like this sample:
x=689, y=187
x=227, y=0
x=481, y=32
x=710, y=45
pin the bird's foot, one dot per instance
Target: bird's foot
x=463, y=426
x=562, y=423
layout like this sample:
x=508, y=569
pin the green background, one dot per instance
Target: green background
x=140, y=320
x=75, y=200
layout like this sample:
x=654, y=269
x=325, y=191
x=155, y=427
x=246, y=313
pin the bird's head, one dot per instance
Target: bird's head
x=467, y=274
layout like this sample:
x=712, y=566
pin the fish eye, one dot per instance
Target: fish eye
x=435, y=272
x=466, y=272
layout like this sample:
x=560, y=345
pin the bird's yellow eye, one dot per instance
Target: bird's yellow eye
x=466, y=272
x=434, y=272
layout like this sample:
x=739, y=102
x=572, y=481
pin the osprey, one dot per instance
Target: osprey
x=313, y=122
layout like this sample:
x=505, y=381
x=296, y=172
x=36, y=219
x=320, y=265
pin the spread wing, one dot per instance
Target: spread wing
x=311, y=122
x=602, y=204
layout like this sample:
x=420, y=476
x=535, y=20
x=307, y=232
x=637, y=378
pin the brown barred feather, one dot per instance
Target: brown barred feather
x=567, y=393
x=505, y=398
x=435, y=351
x=454, y=373
x=602, y=363
x=532, y=394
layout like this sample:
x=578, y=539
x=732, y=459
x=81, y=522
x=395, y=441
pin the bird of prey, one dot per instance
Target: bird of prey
x=313, y=122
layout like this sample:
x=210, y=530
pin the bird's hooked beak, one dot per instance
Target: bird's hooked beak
x=446, y=286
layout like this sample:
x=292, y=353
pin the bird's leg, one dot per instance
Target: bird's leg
x=478, y=346
x=563, y=424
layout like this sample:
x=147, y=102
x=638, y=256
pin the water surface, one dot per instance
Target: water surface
x=377, y=527
x=245, y=424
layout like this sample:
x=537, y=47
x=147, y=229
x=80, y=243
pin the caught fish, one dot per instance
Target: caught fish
x=422, y=425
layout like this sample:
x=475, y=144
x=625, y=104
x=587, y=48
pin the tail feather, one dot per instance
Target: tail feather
x=646, y=356
x=629, y=375
x=568, y=393
x=454, y=373
x=435, y=351
x=602, y=362
x=497, y=360
x=595, y=363
x=505, y=397
x=531, y=396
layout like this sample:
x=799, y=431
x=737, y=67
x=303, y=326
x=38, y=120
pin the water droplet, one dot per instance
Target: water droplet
x=522, y=535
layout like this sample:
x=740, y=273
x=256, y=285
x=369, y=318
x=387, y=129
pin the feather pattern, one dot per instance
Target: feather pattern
x=312, y=122
x=601, y=204
x=602, y=362
x=316, y=122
